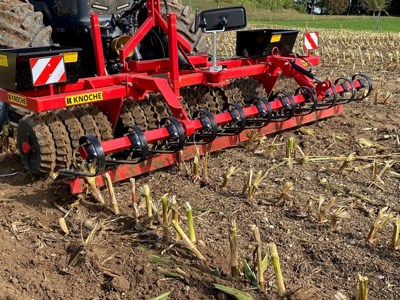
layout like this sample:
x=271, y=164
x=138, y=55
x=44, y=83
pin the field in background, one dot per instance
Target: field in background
x=345, y=170
x=294, y=19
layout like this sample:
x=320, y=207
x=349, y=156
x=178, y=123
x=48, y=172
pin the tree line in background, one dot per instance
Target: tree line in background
x=353, y=7
x=356, y=7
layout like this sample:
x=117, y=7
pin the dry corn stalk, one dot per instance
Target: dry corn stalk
x=394, y=174
x=253, y=187
x=91, y=181
x=340, y=296
x=361, y=292
x=277, y=268
x=163, y=296
x=181, y=161
x=145, y=190
x=305, y=208
x=349, y=159
x=133, y=197
x=339, y=214
x=190, y=223
x=260, y=273
x=380, y=221
x=388, y=165
x=110, y=188
x=187, y=241
x=290, y=151
x=396, y=233
x=175, y=213
x=374, y=171
x=247, y=183
x=271, y=148
x=365, y=143
x=284, y=194
x=306, y=130
x=234, y=250
x=164, y=204
x=196, y=165
x=323, y=211
x=304, y=157
x=231, y=170
x=63, y=225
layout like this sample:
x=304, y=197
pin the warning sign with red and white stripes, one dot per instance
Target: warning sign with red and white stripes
x=48, y=70
x=311, y=40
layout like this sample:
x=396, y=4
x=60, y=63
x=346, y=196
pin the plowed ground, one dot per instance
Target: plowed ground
x=123, y=260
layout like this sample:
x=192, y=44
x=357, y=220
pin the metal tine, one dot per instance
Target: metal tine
x=287, y=111
x=265, y=114
x=344, y=83
x=238, y=119
x=310, y=97
x=209, y=131
x=365, y=82
x=176, y=140
x=326, y=102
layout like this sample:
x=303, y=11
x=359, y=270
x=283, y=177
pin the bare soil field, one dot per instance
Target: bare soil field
x=105, y=256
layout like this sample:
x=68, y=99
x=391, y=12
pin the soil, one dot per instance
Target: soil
x=116, y=257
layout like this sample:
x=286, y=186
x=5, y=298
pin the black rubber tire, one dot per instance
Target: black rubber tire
x=41, y=160
x=4, y=108
x=186, y=24
x=21, y=26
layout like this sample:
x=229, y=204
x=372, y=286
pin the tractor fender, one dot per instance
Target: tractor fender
x=44, y=9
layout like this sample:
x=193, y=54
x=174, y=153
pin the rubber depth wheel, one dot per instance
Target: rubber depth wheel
x=88, y=122
x=132, y=114
x=61, y=139
x=36, y=146
x=21, y=26
x=250, y=88
x=105, y=127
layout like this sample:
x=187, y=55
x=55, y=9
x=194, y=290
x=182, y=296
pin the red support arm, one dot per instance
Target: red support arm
x=135, y=40
x=173, y=53
x=97, y=45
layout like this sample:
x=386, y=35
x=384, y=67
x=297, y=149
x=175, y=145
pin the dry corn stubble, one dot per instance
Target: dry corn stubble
x=187, y=241
x=260, y=273
x=396, y=233
x=234, y=261
x=190, y=222
x=92, y=187
x=229, y=173
x=361, y=290
x=165, y=221
x=384, y=217
x=111, y=191
x=379, y=51
x=284, y=194
x=145, y=190
x=277, y=268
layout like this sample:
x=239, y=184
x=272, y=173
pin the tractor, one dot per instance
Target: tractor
x=127, y=87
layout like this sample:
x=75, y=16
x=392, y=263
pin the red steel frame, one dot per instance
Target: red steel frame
x=125, y=171
x=139, y=78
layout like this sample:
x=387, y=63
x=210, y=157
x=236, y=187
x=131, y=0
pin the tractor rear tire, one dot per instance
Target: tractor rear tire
x=21, y=26
x=185, y=22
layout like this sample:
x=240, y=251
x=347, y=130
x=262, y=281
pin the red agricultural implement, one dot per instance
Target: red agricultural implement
x=153, y=112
